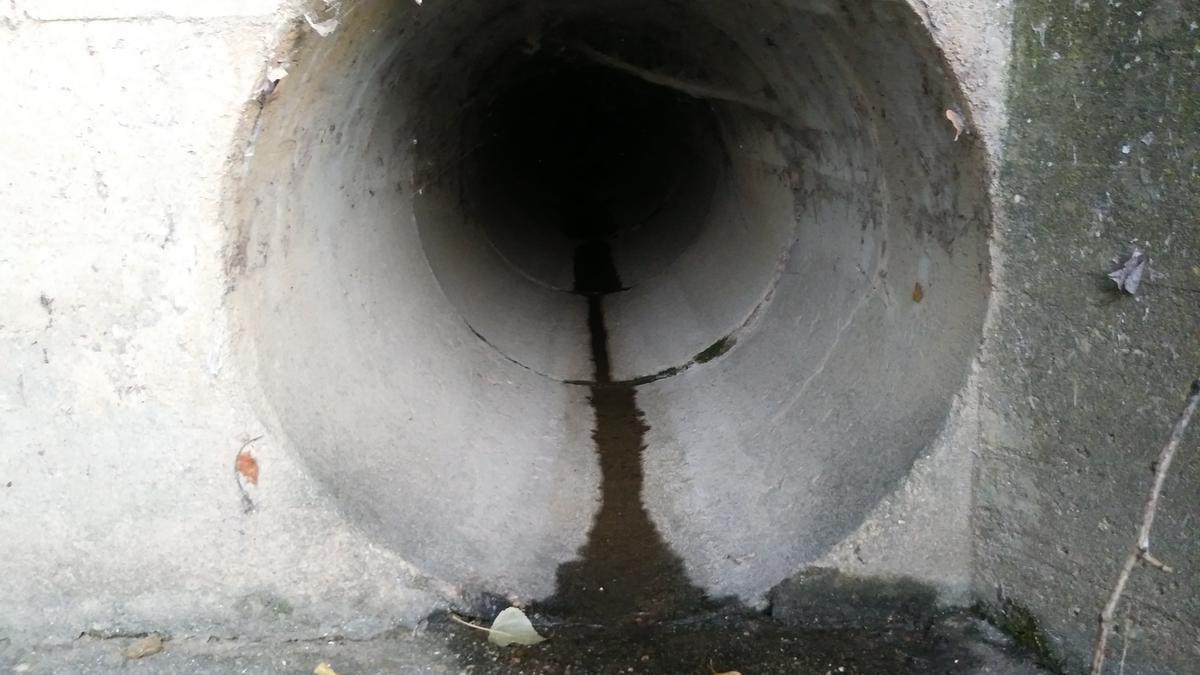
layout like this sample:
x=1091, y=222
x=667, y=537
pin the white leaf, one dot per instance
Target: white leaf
x=323, y=28
x=513, y=627
x=510, y=627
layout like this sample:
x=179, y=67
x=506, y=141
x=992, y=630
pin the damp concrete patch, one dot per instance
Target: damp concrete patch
x=825, y=597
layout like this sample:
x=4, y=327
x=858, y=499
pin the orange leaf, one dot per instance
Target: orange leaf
x=248, y=467
x=918, y=292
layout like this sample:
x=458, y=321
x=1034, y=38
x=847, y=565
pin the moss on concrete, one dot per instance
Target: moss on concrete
x=716, y=349
x=1020, y=624
x=1103, y=154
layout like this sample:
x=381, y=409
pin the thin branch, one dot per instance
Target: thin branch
x=1164, y=464
x=1141, y=550
x=464, y=622
x=1156, y=563
x=698, y=90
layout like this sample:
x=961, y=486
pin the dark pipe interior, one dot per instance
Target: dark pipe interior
x=570, y=151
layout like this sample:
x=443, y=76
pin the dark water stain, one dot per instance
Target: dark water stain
x=625, y=571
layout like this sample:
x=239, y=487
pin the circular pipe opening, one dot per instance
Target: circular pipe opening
x=479, y=241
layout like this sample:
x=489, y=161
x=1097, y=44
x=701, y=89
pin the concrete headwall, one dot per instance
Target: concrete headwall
x=1081, y=383
x=125, y=398
x=122, y=409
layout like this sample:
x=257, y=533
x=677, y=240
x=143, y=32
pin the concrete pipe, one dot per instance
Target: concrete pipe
x=479, y=242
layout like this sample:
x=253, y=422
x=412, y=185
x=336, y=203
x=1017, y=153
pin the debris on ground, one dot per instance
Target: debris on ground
x=510, y=627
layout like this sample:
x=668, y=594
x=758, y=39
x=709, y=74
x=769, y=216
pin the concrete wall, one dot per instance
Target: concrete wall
x=126, y=396
x=1082, y=384
x=123, y=404
x=121, y=409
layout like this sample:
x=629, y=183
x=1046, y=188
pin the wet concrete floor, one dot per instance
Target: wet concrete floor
x=698, y=647
x=625, y=605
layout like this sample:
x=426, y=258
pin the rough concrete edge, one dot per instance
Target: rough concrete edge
x=904, y=536
x=974, y=39
x=986, y=85
x=286, y=37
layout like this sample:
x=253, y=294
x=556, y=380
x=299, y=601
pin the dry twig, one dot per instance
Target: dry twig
x=1141, y=550
x=691, y=88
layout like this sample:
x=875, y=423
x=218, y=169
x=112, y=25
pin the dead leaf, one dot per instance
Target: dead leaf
x=1128, y=273
x=918, y=293
x=324, y=669
x=247, y=466
x=147, y=646
x=957, y=120
x=510, y=627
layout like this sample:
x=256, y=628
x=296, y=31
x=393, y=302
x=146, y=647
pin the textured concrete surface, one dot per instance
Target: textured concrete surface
x=882, y=292
x=126, y=399
x=1082, y=384
x=121, y=410
x=133, y=363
